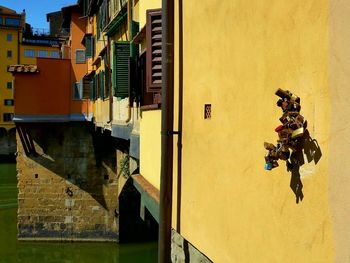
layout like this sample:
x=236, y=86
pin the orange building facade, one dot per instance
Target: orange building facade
x=60, y=80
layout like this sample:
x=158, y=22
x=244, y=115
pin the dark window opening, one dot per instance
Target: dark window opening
x=12, y=22
x=80, y=56
x=7, y=117
x=8, y=102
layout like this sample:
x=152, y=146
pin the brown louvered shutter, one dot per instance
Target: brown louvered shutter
x=154, y=50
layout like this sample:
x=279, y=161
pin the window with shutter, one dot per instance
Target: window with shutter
x=93, y=44
x=102, y=17
x=95, y=92
x=98, y=23
x=86, y=89
x=7, y=116
x=145, y=98
x=97, y=86
x=121, y=69
x=92, y=89
x=88, y=44
x=102, y=84
x=107, y=82
x=154, y=50
x=107, y=75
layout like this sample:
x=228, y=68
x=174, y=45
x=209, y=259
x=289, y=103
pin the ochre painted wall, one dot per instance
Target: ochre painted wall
x=136, y=10
x=100, y=106
x=236, y=55
x=5, y=76
x=78, y=28
x=150, y=146
x=150, y=121
x=143, y=6
x=339, y=83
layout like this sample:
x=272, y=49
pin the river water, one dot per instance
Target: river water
x=13, y=251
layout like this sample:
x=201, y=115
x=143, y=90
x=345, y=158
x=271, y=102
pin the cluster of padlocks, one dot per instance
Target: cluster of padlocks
x=289, y=132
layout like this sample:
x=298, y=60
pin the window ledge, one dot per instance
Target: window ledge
x=151, y=107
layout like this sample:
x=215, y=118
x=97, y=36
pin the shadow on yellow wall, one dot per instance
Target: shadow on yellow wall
x=310, y=149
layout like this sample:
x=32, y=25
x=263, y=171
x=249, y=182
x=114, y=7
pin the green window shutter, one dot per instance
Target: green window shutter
x=91, y=86
x=114, y=70
x=121, y=72
x=95, y=87
x=134, y=48
x=107, y=81
x=98, y=24
x=102, y=82
x=93, y=46
x=88, y=45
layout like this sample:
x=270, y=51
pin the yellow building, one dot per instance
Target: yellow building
x=29, y=52
x=232, y=58
x=20, y=45
x=11, y=26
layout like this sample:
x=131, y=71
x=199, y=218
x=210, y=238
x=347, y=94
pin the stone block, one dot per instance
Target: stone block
x=68, y=219
x=69, y=202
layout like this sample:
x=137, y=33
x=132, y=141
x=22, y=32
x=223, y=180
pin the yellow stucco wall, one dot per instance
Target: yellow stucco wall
x=32, y=60
x=5, y=77
x=339, y=83
x=150, y=139
x=136, y=9
x=143, y=6
x=232, y=209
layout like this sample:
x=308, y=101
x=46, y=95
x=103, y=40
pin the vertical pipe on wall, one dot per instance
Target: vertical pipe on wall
x=179, y=142
x=166, y=180
x=110, y=51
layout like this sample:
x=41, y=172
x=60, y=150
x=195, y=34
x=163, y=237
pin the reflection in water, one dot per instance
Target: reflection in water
x=13, y=251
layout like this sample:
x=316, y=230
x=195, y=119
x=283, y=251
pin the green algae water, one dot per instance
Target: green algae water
x=13, y=251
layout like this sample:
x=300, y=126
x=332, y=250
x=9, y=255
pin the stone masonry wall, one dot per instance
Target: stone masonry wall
x=67, y=183
x=184, y=252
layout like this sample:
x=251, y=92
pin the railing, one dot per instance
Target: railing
x=43, y=32
x=40, y=31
